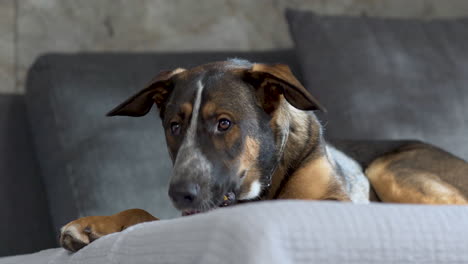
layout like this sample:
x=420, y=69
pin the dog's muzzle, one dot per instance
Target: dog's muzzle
x=228, y=199
x=185, y=194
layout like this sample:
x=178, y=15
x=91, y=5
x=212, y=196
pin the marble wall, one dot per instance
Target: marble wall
x=29, y=28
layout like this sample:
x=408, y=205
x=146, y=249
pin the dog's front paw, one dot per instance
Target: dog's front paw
x=79, y=233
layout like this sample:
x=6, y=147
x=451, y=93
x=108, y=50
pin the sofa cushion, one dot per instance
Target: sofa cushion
x=95, y=165
x=284, y=232
x=25, y=224
x=387, y=78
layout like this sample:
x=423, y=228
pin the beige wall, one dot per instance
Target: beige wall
x=32, y=27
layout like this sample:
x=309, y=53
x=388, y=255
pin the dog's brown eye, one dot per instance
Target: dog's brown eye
x=224, y=124
x=175, y=128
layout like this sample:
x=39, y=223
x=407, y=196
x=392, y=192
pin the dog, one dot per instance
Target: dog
x=239, y=131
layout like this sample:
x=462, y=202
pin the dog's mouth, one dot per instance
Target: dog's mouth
x=228, y=199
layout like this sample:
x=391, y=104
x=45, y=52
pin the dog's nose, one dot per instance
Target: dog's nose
x=184, y=194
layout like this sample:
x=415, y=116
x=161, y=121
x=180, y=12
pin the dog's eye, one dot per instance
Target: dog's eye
x=175, y=128
x=224, y=124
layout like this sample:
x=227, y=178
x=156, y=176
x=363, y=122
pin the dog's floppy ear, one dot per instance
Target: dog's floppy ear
x=157, y=92
x=278, y=79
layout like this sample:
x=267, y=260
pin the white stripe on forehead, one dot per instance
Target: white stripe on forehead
x=189, y=141
x=192, y=130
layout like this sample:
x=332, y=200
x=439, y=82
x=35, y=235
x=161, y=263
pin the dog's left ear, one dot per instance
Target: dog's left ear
x=157, y=91
x=278, y=79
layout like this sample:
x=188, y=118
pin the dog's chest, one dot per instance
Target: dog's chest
x=355, y=181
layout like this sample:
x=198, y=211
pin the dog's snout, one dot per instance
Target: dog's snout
x=184, y=194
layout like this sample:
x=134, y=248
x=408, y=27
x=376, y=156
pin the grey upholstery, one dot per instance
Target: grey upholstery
x=92, y=164
x=24, y=214
x=387, y=78
x=284, y=232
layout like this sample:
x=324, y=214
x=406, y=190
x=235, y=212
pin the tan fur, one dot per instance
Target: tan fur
x=310, y=182
x=396, y=182
x=87, y=229
x=208, y=110
x=187, y=109
x=247, y=162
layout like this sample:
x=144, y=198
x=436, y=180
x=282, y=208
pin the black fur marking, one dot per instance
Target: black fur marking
x=267, y=154
x=312, y=148
x=285, y=179
x=293, y=129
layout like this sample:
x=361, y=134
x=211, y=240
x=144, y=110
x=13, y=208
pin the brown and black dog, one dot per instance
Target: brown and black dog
x=240, y=131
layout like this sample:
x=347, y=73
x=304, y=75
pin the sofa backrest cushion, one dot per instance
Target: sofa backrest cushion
x=383, y=78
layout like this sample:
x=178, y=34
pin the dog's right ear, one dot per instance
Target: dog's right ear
x=157, y=91
x=273, y=80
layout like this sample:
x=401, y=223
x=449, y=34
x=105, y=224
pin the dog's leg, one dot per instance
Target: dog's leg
x=420, y=173
x=79, y=233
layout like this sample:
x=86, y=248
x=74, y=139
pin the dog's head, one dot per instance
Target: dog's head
x=221, y=127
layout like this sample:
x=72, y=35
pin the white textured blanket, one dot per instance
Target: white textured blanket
x=285, y=232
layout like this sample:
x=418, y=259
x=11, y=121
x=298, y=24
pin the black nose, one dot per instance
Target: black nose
x=184, y=194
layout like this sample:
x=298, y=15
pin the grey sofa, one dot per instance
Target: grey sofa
x=62, y=159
